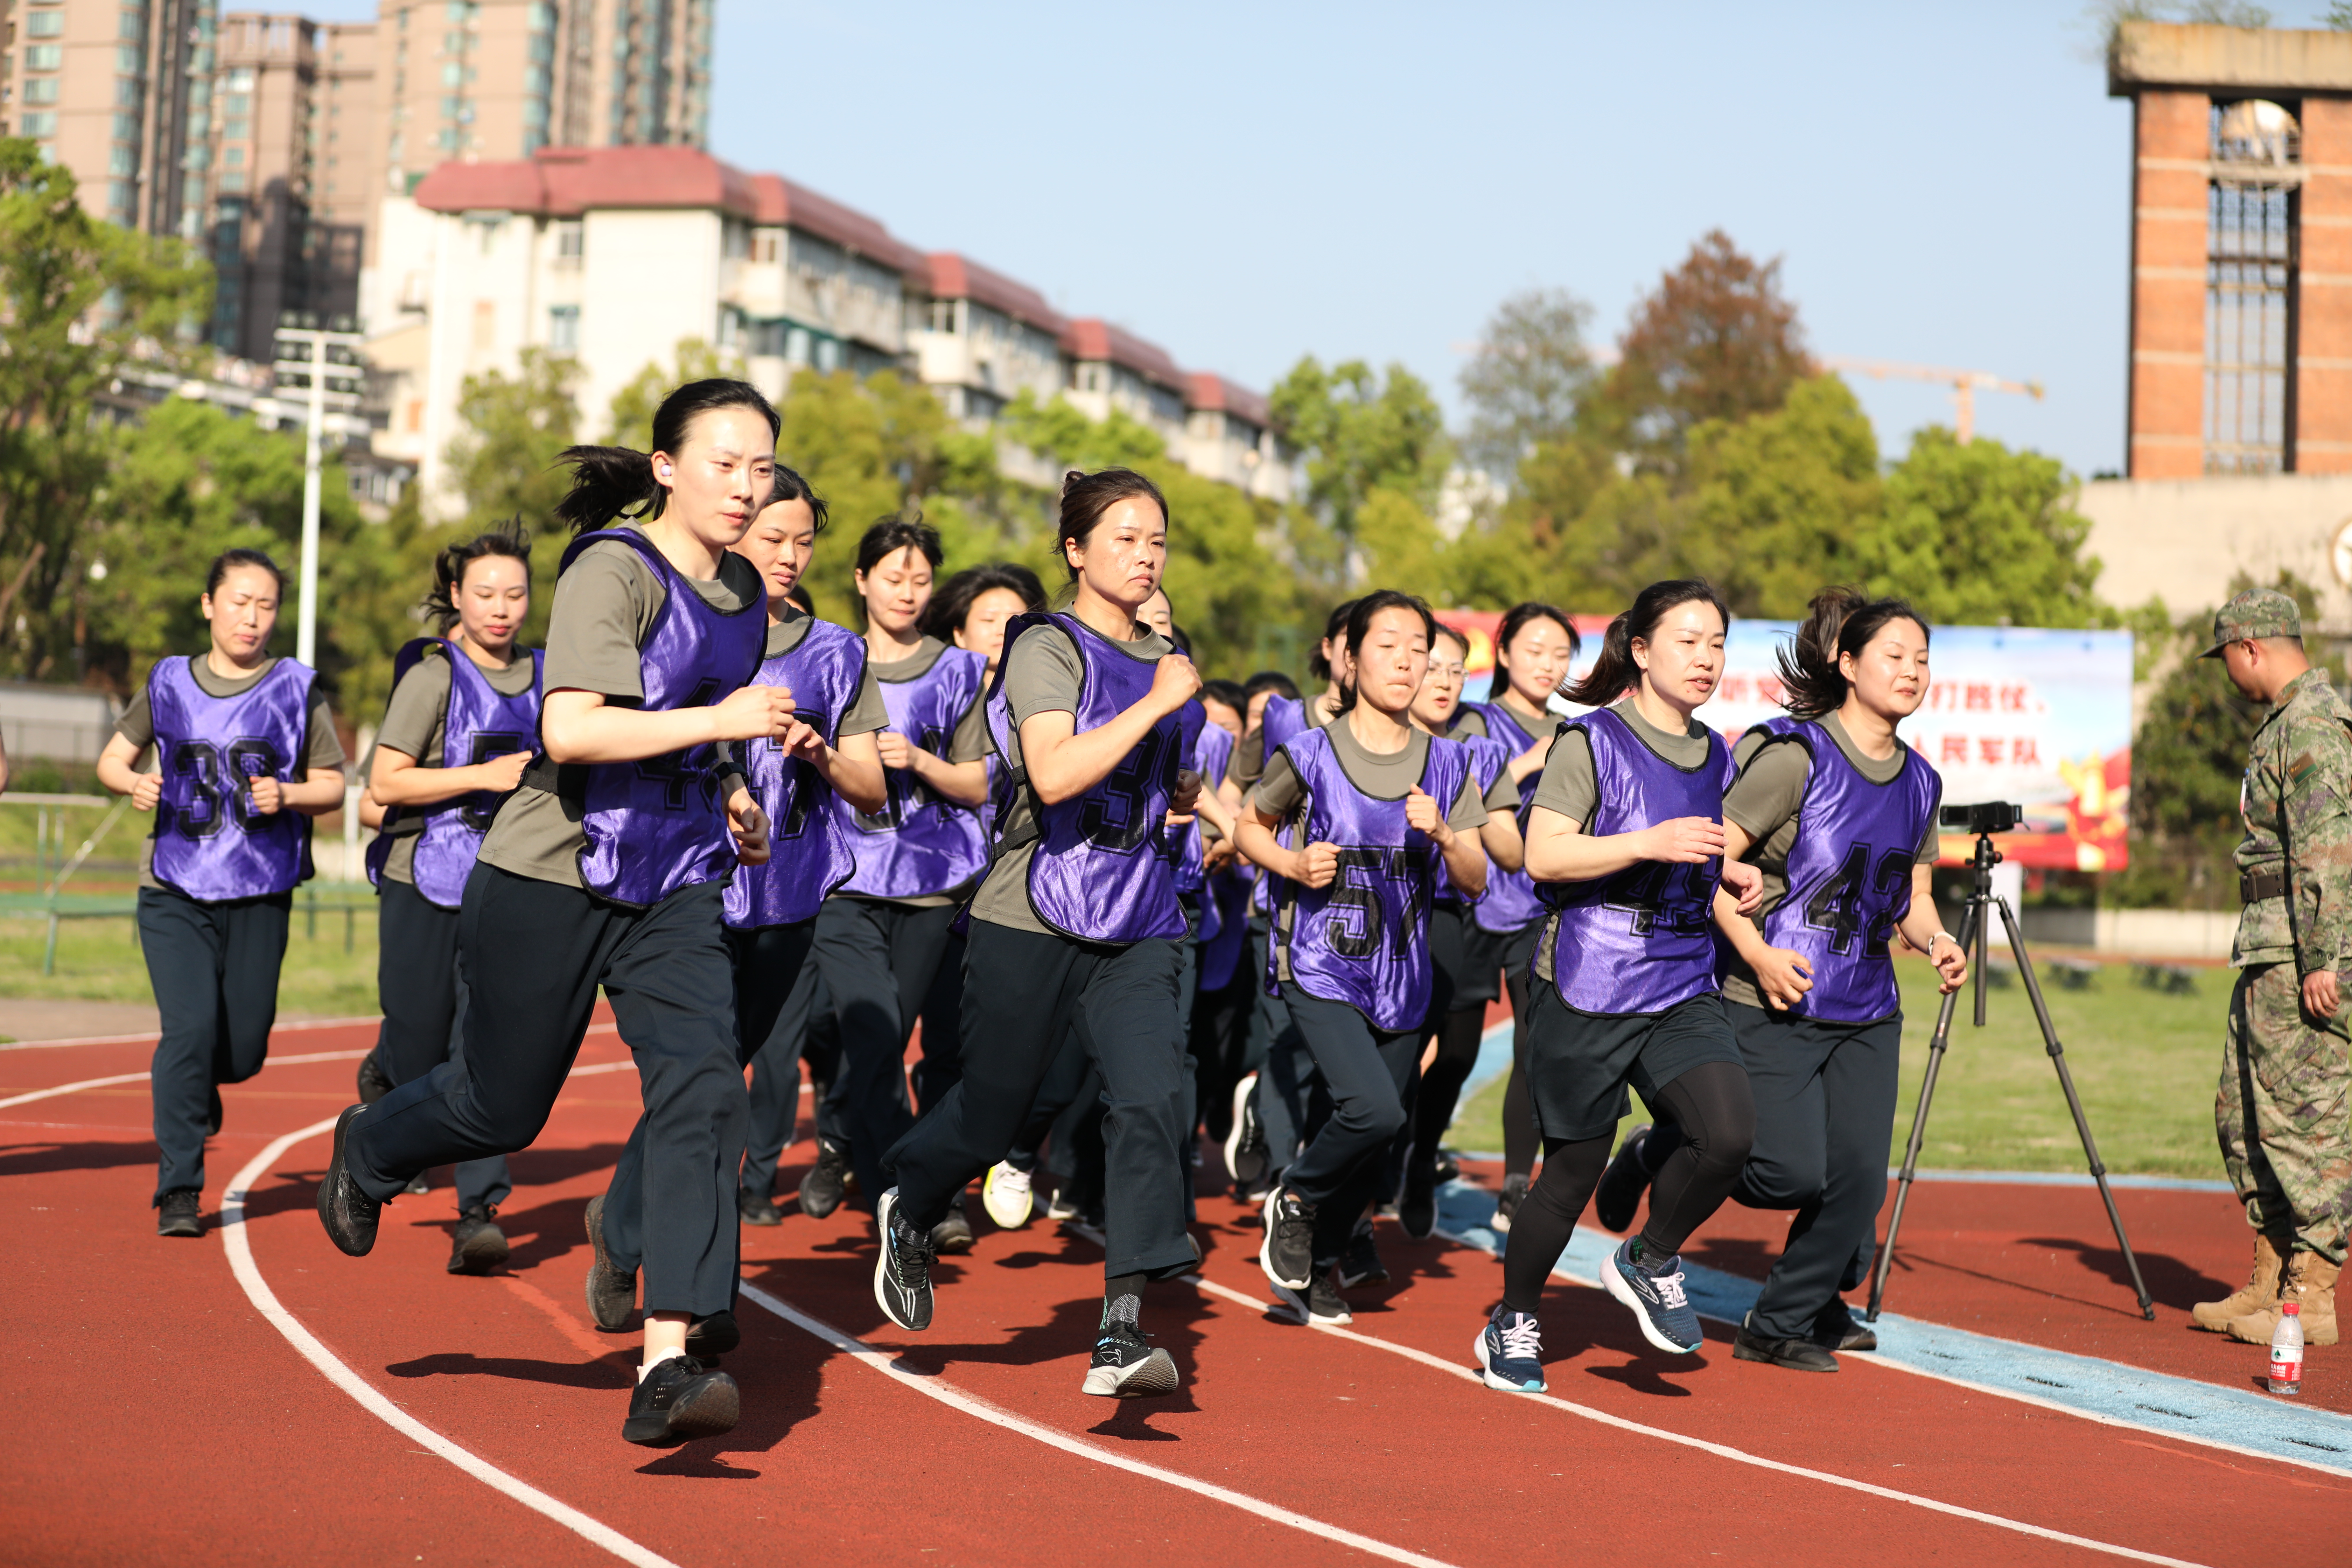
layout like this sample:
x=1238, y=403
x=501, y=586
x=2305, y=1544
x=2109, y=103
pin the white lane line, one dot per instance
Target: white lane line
x=1739, y=1456
x=150, y=1035
x=273, y=1062
x=264, y=1301
x=946, y=1394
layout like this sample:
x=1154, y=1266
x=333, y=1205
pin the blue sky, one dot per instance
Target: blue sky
x=1246, y=184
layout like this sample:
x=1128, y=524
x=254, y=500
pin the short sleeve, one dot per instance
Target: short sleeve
x=419, y=707
x=603, y=603
x=1502, y=795
x=970, y=741
x=1042, y=674
x=137, y=724
x=1249, y=757
x=1469, y=721
x=1770, y=788
x=1278, y=790
x=867, y=713
x=323, y=749
x=1568, y=783
x=1469, y=812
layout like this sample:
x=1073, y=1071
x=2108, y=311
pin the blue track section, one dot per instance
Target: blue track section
x=2174, y=1407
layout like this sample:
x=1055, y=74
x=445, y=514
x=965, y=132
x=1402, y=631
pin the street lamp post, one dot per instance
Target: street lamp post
x=297, y=332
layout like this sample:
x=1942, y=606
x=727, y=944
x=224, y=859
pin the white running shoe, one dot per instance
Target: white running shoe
x=1004, y=1192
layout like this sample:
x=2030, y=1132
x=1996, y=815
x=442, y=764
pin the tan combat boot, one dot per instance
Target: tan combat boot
x=2310, y=1283
x=2260, y=1292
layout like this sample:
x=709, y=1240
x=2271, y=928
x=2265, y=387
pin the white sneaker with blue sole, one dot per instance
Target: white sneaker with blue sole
x=1510, y=1353
x=1656, y=1299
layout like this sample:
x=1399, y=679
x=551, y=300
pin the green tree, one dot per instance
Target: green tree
x=629, y=421
x=1982, y=535
x=503, y=461
x=1781, y=500
x=84, y=302
x=1360, y=432
x=1524, y=382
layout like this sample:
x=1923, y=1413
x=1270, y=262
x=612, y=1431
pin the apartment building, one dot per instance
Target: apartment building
x=613, y=255
x=105, y=88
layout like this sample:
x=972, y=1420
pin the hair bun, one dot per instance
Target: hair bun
x=1071, y=477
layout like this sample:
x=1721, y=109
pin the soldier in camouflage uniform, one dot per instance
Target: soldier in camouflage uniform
x=2282, y=1111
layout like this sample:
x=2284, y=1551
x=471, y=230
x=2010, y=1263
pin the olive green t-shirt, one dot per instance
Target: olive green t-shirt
x=413, y=723
x=605, y=605
x=1044, y=671
x=1248, y=760
x=1383, y=775
x=969, y=743
x=321, y=751
x=1765, y=799
x=1568, y=785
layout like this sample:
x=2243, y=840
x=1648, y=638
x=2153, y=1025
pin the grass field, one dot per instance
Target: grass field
x=2145, y=1063
x=98, y=960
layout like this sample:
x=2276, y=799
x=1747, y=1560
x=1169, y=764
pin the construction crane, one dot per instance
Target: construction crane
x=1965, y=384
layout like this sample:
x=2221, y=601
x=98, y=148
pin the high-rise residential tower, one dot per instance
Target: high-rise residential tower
x=106, y=91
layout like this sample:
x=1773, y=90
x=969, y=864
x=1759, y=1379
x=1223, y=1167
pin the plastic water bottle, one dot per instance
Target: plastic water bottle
x=2286, y=1350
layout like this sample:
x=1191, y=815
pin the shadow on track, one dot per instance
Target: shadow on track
x=46, y=1158
x=2172, y=1282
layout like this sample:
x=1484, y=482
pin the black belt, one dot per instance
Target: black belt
x=2253, y=886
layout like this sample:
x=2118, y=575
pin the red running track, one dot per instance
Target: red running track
x=172, y=1420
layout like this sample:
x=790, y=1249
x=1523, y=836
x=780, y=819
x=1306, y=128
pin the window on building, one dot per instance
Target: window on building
x=44, y=56
x=40, y=90
x=563, y=329
x=37, y=123
x=130, y=27
x=130, y=61
x=122, y=160
x=126, y=128
x=238, y=102
x=45, y=24
x=943, y=315
x=231, y=179
x=232, y=157
x=2249, y=263
x=767, y=246
x=571, y=240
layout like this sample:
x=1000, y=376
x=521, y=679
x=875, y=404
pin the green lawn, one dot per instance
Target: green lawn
x=99, y=959
x=2145, y=1063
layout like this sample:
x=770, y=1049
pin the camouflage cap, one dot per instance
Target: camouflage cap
x=2256, y=613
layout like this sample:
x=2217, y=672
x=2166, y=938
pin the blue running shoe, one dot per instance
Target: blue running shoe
x=1657, y=1298
x=1510, y=1353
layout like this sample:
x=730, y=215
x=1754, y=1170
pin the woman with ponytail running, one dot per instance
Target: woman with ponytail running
x=461, y=726
x=1625, y=840
x=245, y=754
x=1077, y=925
x=609, y=866
x=1839, y=817
x=1533, y=648
x=1384, y=814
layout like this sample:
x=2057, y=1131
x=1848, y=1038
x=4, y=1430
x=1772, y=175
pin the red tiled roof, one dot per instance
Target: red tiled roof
x=564, y=182
x=1207, y=389
x=953, y=278
x=1092, y=337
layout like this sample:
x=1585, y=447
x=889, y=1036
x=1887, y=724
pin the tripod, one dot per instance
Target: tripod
x=1976, y=924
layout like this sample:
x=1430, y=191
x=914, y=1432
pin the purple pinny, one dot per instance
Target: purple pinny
x=921, y=843
x=810, y=855
x=1364, y=939
x=1282, y=718
x=1510, y=904
x=1642, y=939
x=1488, y=758
x=1100, y=870
x=1849, y=875
x=1209, y=753
x=210, y=843
x=479, y=725
x=657, y=826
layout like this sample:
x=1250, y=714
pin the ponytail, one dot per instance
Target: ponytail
x=1614, y=672
x=1842, y=621
x=440, y=606
x=618, y=482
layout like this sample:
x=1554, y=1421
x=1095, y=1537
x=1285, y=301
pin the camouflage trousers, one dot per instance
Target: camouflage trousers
x=2282, y=1112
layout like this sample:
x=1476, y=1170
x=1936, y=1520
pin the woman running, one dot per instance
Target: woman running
x=245, y=755
x=881, y=939
x=471, y=696
x=1384, y=814
x=1533, y=649
x=609, y=866
x=1624, y=839
x=1093, y=715
x=1459, y=994
x=1839, y=817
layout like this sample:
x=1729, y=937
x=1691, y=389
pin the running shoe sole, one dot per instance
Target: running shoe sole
x=708, y=1411
x=480, y=1252
x=1265, y=1249
x=344, y=1228
x=1008, y=1209
x=1621, y=1185
x=611, y=1293
x=884, y=1210
x=1612, y=1279
x=1294, y=1300
x=1244, y=1093
x=1154, y=1375
x=1496, y=1381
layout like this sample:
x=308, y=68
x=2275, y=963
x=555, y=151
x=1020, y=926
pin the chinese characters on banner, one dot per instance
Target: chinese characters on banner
x=2025, y=714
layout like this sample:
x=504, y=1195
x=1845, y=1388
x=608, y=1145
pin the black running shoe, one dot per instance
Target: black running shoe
x=212, y=1113
x=1125, y=1367
x=1325, y=1306
x=1654, y=1292
x=1835, y=1329
x=478, y=1245
x=1288, y=1253
x=707, y=1339
x=1360, y=1262
x=952, y=1234
x=1417, y=1209
x=758, y=1208
x=1449, y=1165
x=1797, y=1355
x=1507, y=1206
x=418, y=1186
x=827, y=1182
x=610, y=1292
x=374, y=1084
x=902, y=1274
x=1622, y=1184
x=349, y=1213
x=1245, y=1144
x=180, y=1212
x=680, y=1400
